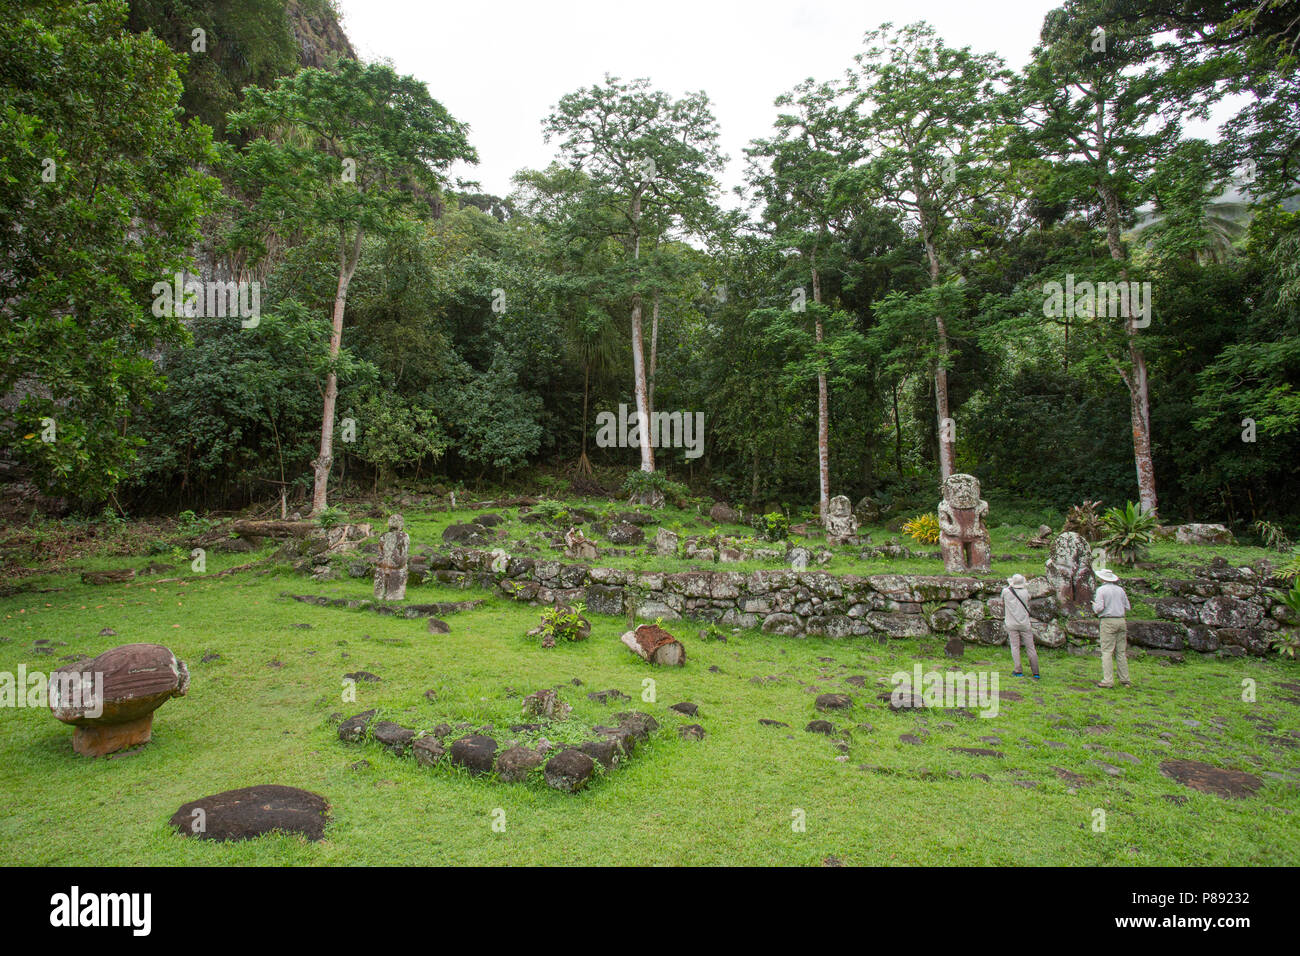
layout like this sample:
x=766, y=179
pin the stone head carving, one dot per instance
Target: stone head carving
x=962, y=491
x=840, y=507
x=396, y=522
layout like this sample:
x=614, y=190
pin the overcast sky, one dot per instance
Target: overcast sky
x=500, y=65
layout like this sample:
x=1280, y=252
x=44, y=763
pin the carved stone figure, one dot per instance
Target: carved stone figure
x=963, y=537
x=1069, y=570
x=841, y=525
x=394, y=555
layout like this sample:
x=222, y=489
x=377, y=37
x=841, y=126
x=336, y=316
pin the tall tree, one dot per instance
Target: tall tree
x=651, y=161
x=350, y=153
x=1094, y=99
x=931, y=118
x=795, y=174
x=101, y=191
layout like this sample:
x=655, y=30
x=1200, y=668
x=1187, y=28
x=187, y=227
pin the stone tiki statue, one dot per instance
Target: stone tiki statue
x=1069, y=571
x=841, y=525
x=391, y=571
x=963, y=538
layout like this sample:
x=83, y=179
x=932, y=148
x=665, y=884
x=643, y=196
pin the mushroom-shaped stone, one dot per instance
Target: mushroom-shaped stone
x=111, y=699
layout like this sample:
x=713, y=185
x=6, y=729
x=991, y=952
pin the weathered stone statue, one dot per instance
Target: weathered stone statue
x=577, y=547
x=841, y=525
x=963, y=538
x=394, y=554
x=1069, y=570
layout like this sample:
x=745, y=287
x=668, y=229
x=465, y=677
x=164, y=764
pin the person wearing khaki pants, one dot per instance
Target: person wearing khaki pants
x=1111, y=605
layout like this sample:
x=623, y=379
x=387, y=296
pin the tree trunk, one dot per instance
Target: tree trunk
x=325, y=459
x=1136, y=379
x=638, y=353
x=654, y=351
x=823, y=407
x=947, y=455
x=584, y=463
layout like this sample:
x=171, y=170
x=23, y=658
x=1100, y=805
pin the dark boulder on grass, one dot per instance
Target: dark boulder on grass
x=251, y=812
x=691, y=732
x=353, y=730
x=428, y=751
x=820, y=727
x=475, y=753
x=515, y=763
x=394, y=737
x=638, y=724
x=833, y=702
x=625, y=533
x=686, y=707
x=606, y=750
x=473, y=535
x=569, y=770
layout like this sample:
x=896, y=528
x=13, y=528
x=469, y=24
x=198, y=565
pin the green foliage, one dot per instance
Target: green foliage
x=563, y=622
x=1084, y=520
x=1129, y=532
x=1273, y=536
x=331, y=517
x=95, y=208
x=773, y=526
x=392, y=434
x=923, y=528
x=646, y=485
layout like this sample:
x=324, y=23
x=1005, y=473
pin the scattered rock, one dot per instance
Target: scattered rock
x=428, y=751
x=515, y=763
x=475, y=753
x=691, y=732
x=252, y=811
x=1233, y=784
x=687, y=708
x=569, y=770
x=827, y=702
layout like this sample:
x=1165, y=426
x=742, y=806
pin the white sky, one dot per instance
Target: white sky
x=500, y=65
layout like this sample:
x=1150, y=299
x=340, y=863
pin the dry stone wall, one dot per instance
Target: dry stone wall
x=1222, y=608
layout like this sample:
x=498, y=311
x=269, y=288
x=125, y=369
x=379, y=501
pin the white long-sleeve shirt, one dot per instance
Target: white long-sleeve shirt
x=1110, y=601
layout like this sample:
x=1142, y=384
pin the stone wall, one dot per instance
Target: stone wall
x=1221, y=608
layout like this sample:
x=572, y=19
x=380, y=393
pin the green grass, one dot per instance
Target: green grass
x=726, y=799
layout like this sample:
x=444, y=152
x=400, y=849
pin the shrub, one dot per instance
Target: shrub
x=1273, y=536
x=1291, y=570
x=563, y=622
x=331, y=517
x=653, y=487
x=772, y=526
x=1083, y=520
x=1129, y=532
x=924, y=528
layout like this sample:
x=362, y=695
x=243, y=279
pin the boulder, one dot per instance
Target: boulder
x=624, y=532
x=111, y=698
x=120, y=576
x=515, y=763
x=472, y=535
x=395, y=738
x=428, y=751
x=354, y=729
x=666, y=543
x=253, y=811
x=475, y=753
x=723, y=513
x=1203, y=534
x=569, y=770
x=546, y=703
x=826, y=702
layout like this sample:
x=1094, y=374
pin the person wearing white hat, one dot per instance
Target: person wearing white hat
x=1110, y=604
x=1015, y=618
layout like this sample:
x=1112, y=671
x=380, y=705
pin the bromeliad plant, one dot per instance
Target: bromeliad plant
x=923, y=528
x=1129, y=533
x=1084, y=520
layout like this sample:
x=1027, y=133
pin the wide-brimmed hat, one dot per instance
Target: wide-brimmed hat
x=1106, y=574
x=1017, y=581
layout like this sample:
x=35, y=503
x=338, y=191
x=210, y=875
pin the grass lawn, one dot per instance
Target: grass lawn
x=261, y=714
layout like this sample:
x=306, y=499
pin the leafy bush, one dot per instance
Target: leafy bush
x=553, y=512
x=646, y=487
x=563, y=622
x=1289, y=641
x=924, y=528
x=1291, y=570
x=1129, y=532
x=190, y=524
x=1273, y=536
x=772, y=526
x=332, y=517
x=1083, y=520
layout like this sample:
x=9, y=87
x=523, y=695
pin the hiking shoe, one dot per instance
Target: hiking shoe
x=1104, y=686
x=1017, y=674
x=1036, y=677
